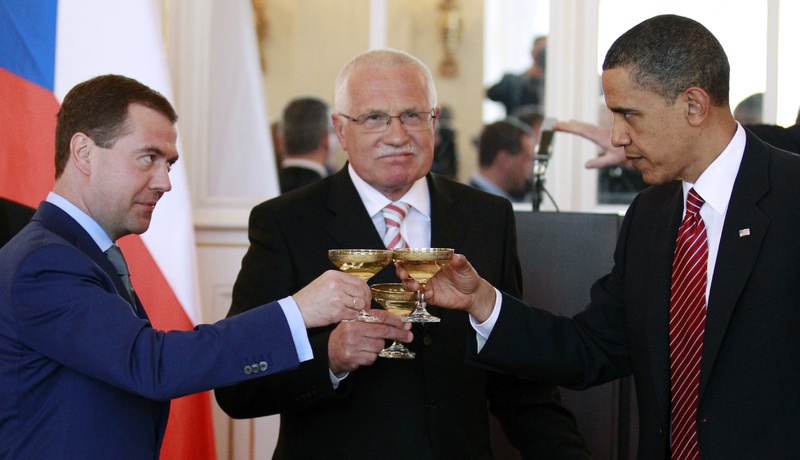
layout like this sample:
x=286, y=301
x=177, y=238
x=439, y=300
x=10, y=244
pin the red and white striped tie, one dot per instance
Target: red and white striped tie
x=687, y=319
x=393, y=215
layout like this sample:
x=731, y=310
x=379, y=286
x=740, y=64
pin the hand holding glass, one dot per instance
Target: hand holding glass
x=363, y=263
x=421, y=264
x=395, y=300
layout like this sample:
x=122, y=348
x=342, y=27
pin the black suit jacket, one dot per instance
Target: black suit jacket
x=749, y=404
x=292, y=177
x=784, y=138
x=434, y=406
x=13, y=216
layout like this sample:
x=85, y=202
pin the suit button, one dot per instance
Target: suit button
x=427, y=340
x=431, y=407
x=248, y=370
x=262, y=366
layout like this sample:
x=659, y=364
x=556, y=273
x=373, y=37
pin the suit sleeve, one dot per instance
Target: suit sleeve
x=530, y=413
x=267, y=273
x=66, y=309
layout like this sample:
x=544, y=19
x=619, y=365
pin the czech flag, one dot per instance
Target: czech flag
x=46, y=48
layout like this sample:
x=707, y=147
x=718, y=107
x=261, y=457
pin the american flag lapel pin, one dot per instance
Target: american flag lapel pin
x=744, y=232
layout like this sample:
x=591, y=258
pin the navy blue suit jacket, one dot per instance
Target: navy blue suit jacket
x=80, y=375
x=749, y=404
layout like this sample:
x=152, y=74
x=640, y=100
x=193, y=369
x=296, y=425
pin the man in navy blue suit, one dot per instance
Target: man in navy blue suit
x=82, y=372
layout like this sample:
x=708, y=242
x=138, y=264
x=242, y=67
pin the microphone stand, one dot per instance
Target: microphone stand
x=537, y=189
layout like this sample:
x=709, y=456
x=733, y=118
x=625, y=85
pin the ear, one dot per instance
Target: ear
x=698, y=105
x=338, y=126
x=80, y=152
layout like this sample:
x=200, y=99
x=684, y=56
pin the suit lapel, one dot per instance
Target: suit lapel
x=737, y=254
x=60, y=223
x=445, y=211
x=663, y=228
x=348, y=223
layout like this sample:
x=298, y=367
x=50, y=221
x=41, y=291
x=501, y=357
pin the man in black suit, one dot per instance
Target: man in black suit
x=13, y=216
x=347, y=403
x=673, y=118
x=305, y=138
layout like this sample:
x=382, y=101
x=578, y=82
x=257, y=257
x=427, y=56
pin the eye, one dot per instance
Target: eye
x=374, y=117
x=414, y=116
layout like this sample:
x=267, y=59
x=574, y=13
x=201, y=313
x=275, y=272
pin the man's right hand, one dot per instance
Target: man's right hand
x=355, y=344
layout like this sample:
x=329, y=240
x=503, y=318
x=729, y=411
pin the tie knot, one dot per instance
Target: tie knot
x=396, y=210
x=693, y=202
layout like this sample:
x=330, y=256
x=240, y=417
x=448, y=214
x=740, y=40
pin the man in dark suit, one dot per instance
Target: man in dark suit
x=83, y=374
x=673, y=118
x=13, y=216
x=305, y=137
x=347, y=403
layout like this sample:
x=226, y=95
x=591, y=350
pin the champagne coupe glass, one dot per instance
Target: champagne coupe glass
x=421, y=264
x=363, y=263
x=395, y=300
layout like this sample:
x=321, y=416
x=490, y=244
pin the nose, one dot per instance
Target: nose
x=161, y=180
x=619, y=132
x=396, y=133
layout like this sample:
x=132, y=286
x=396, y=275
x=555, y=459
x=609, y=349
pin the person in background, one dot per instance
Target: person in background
x=527, y=88
x=13, y=216
x=445, y=152
x=305, y=136
x=83, y=374
x=750, y=111
x=505, y=156
x=701, y=305
x=347, y=403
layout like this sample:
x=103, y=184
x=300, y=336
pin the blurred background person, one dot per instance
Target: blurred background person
x=505, y=160
x=516, y=90
x=306, y=142
x=445, y=151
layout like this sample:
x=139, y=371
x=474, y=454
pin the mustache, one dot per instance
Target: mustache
x=403, y=149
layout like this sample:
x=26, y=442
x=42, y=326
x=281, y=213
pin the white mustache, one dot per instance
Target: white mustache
x=388, y=150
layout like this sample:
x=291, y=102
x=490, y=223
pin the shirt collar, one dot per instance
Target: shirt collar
x=91, y=226
x=715, y=184
x=375, y=201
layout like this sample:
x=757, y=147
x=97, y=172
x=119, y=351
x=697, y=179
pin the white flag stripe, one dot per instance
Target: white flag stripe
x=82, y=54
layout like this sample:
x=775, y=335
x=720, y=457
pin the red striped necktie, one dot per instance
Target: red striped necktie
x=687, y=318
x=393, y=215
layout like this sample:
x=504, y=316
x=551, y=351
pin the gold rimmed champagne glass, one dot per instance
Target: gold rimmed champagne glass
x=363, y=263
x=421, y=264
x=395, y=300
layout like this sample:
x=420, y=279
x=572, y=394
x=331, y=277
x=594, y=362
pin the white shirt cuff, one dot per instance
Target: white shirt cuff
x=297, y=327
x=484, y=329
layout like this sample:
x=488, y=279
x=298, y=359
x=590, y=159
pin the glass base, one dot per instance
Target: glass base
x=397, y=351
x=421, y=315
x=363, y=317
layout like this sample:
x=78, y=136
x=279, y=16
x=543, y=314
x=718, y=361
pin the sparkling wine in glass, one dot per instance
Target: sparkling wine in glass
x=421, y=264
x=395, y=300
x=363, y=263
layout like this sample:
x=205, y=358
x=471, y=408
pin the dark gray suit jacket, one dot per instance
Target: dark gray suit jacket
x=434, y=406
x=749, y=403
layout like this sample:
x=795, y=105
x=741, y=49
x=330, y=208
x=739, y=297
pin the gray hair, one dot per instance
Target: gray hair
x=385, y=57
